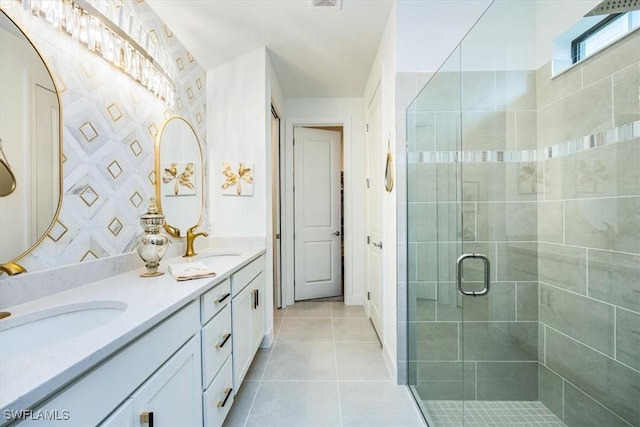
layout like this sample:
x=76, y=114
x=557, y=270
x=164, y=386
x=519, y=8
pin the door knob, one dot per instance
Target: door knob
x=378, y=245
x=337, y=233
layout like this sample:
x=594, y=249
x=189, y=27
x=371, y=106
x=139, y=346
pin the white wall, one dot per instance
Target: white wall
x=429, y=30
x=383, y=73
x=239, y=97
x=236, y=124
x=331, y=111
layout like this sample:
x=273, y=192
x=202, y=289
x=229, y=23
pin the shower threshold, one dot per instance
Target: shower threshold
x=479, y=413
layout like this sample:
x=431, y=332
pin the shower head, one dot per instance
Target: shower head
x=608, y=7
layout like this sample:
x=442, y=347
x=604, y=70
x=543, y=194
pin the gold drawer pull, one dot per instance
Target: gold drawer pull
x=222, y=298
x=146, y=418
x=227, y=391
x=224, y=341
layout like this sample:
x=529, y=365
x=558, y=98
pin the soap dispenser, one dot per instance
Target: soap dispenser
x=153, y=243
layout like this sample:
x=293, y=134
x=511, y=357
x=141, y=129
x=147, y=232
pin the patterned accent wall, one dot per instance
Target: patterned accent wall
x=110, y=125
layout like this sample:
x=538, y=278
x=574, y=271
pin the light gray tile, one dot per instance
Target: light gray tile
x=498, y=305
x=550, y=390
x=279, y=312
x=425, y=131
x=242, y=402
x=306, y=330
x=613, y=277
x=626, y=107
x=309, y=309
x=563, y=266
x=616, y=57
x=584, y=319
x=508, y=341
x=550, y=90
x=299, y=403
x=612, y=384
x=576, y=115
x=484, y=130
x=507, y=221
x=301, y=362
x=256, y=370
x=443, y=91
x=479, y=89
x=361, y=362
x=604, y=223
x=551, y=222
x=422, y=301
x=507, y=380
x=628, y=338
x=386, y=405
x=527, y=301
x=517, y=261
x=500, y=181
x=603, y=172
x=582, y=410
x=434, y=340
x=516, y=90
x=405, y=89
x=444, y=380
x=448, y=132
x=354, y=330
x=340, y=309
x=526, y=126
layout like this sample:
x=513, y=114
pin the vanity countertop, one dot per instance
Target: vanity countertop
x=28, y=378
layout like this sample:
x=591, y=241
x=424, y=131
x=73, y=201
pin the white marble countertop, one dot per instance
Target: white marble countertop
x=28, y=378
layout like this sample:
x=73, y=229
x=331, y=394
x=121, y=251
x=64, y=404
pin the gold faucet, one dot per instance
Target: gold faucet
x=11, y=268
x=191, y=237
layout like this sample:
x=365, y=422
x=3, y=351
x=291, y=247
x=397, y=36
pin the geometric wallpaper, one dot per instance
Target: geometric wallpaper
x=110, y=123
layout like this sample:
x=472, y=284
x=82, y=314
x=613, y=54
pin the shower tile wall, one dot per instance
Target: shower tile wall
x=589, y=239
x=499, y=337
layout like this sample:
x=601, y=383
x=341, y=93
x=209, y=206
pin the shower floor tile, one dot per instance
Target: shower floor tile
x=478, y=413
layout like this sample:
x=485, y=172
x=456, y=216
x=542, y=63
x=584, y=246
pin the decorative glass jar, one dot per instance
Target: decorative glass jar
x=153, y=243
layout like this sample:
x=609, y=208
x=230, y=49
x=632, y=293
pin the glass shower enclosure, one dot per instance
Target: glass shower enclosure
x=523, y=230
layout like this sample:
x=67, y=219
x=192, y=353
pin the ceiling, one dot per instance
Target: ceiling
x=316, y=51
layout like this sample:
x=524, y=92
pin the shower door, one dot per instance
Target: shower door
x=472, y=228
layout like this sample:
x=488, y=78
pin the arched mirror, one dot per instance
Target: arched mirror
x=30, y=141
x=179, y=176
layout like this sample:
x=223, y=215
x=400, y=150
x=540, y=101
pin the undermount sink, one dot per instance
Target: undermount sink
x=217, y=254
x=32, y=331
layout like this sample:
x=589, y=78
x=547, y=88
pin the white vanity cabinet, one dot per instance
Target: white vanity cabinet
x=130, y=374
x=217, y=344
x=171, y=397
x=183, y=371
x=247, y=312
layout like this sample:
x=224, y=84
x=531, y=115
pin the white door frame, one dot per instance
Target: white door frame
x=287, y=229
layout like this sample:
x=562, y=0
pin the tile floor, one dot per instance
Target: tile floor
x=448, y=413
x=325, y=368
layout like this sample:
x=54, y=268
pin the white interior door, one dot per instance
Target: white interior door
x=374, y=220
x=317, y=235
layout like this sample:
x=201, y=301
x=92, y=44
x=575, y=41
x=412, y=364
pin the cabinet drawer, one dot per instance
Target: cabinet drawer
x=215, y=299
x=219, y=397
x=241, y=278
x=216, y=344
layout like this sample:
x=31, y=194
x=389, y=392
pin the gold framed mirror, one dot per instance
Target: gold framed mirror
x=179, y=176
x=31, y=134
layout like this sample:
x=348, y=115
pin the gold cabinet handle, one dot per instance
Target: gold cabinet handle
x=224, y=341
x=147, y=418
x=222, y=298
x=227, y=392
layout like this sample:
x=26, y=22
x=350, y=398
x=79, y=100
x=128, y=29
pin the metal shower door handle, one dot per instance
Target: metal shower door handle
x=487, y=274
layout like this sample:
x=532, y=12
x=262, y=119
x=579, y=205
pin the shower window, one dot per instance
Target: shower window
x=603, y=34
